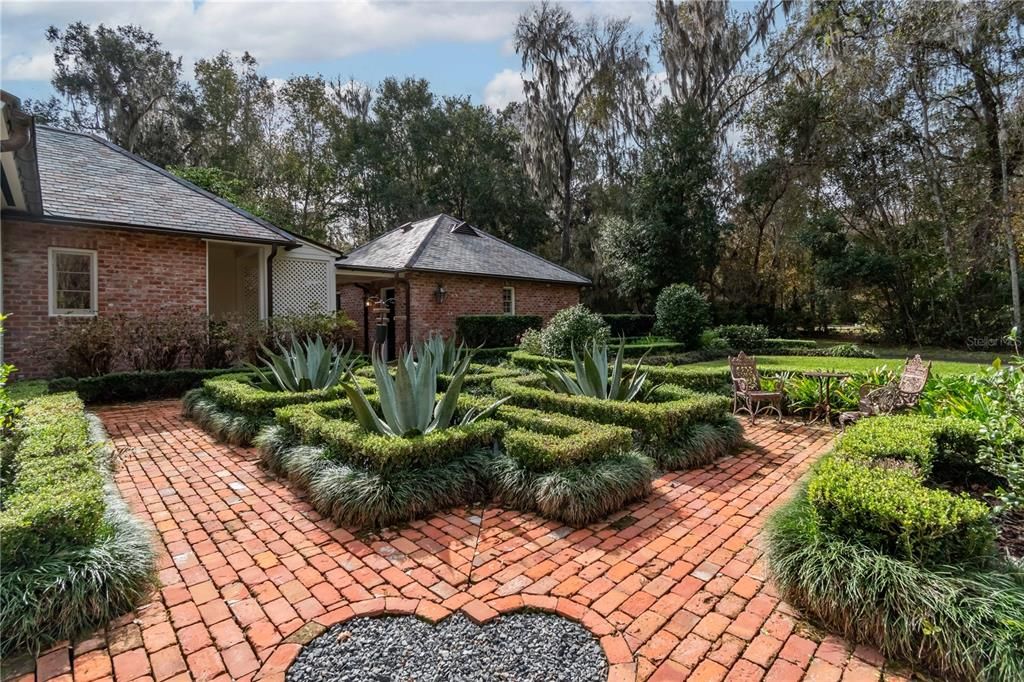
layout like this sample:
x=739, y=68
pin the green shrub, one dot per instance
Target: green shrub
x=78, y=588
x=847, y=350
x=55, y=501
x=890, y=510
x=629, y=324
x=794, y=344
x=131, y=386
x=958, y=622
x=570, y=327
x=745, y=337
x=532, y=342
x=492, y=331
x=335, y=328
x=683, y=313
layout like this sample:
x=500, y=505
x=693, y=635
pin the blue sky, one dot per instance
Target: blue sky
x=462, y=48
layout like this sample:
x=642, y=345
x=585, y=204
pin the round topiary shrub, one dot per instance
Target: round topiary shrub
x=572, y=327
x=682, y=314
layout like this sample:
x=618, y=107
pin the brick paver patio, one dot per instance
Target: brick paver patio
x=674, y=587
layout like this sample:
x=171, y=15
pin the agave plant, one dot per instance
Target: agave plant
x=445, y=354
x=303, y=366
x=594, y=378
x=408, y=401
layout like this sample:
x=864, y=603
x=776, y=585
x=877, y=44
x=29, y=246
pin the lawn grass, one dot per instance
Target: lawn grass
x=807, y=363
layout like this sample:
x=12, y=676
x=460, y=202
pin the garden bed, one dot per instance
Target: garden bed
x=876, y=549
x=73, y=555
x=677, y=427
x=562, y=467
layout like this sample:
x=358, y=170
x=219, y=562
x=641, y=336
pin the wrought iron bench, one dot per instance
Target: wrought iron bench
x=894, y=397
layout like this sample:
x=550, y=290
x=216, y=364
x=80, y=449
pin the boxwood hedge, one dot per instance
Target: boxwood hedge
x=495, y=331
x=73, y=556
x=871, y=548
x=678, y=427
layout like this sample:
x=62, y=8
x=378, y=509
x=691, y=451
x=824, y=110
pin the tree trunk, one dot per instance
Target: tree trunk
x=1011, y=243
x=566, y=217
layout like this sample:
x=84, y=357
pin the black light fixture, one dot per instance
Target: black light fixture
x=440, y=293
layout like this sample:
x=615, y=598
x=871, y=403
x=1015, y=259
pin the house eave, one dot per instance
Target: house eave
x=129, y=227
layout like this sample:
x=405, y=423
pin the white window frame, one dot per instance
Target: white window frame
x=94, y=282
x=513, y=299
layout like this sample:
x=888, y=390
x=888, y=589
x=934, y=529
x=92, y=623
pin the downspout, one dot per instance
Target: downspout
x=408, y=318
x=270, y=281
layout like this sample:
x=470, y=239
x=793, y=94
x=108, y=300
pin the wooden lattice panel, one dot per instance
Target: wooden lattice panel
x=301, y=285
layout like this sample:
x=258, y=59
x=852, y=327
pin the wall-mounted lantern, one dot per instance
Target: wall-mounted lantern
x=440, y=293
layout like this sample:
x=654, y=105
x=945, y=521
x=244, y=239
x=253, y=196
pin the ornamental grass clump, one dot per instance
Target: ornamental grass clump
x=595, y=379
x=304, y=365
x=408, y=402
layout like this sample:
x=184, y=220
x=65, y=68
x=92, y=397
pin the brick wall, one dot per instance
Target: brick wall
x=467, y=295
x=137, y=273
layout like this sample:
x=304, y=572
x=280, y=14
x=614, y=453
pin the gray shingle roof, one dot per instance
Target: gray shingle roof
x=446, y=244
x=89, y=179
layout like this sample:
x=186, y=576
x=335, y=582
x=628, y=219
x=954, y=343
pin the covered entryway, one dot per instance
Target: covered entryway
x=236, y=276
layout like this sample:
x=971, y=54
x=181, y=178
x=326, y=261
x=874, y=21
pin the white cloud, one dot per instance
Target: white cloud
x=25, y=67
x=505, y=87
x=281, y=30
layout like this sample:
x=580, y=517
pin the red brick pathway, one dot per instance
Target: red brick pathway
x=674, y=586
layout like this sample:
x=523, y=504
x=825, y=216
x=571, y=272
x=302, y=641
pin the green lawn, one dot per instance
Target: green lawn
x=804, y=363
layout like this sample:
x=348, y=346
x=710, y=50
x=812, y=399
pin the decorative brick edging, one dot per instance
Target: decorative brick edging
x=621, y=667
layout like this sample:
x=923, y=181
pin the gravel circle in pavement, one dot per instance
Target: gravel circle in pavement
x=519, y=647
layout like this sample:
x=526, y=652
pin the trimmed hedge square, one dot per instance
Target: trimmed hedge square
x=333, y=425
x=891, y=510
x=678, y=427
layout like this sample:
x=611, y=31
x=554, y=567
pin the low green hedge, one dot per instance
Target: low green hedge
x=56, y=498
x=233, y=409
x=677, y=427
x=74, y=557
x=961, y=621
x=871, y=550
x=129, y=386
x=495, y=331
x=698, y=378
x=888, y=509
x=333, y=425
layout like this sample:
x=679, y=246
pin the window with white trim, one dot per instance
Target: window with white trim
x=72, y=282
x=508, y=301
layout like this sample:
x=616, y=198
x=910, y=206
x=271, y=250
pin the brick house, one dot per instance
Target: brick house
x=430, y=272
x=89, y=229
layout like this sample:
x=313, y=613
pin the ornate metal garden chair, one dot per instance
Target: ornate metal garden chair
x=899, y=395
x=748, y=393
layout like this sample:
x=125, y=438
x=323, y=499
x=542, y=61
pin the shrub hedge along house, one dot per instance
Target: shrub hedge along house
x=432, y=272
x=90, y=229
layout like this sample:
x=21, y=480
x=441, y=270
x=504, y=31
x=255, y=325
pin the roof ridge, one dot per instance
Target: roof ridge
x=181, y=181
x=426, y=239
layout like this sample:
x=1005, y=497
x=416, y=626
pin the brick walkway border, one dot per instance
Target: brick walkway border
x=674, y=586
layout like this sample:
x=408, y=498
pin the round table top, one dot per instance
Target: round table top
x=827, y=375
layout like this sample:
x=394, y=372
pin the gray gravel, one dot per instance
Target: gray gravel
x=520, y=647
